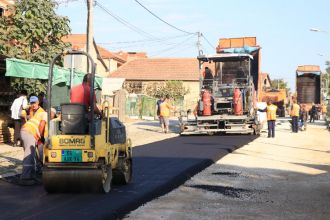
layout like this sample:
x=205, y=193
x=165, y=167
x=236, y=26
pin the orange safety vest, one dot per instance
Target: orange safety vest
x=32, y=125
x=271, y=112
x=324, y=109
x=165, y=109
x=295, y=110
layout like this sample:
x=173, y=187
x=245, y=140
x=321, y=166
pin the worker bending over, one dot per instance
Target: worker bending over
x=31, y=133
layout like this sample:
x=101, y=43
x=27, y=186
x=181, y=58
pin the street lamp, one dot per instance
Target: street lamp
x=318, y=30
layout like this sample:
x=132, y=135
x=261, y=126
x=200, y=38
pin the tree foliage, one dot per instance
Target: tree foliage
x=279, y=84
x=326, y=77
x=173, y=88
x=33, y=32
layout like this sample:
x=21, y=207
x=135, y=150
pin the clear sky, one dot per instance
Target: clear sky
x=281, y=27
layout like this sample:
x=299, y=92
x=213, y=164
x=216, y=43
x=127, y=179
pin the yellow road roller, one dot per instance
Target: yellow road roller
x=83, y=152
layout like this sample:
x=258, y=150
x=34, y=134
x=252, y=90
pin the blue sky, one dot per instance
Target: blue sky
x=281, y=27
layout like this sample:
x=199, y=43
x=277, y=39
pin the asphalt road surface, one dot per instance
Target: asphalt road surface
x=157, y=169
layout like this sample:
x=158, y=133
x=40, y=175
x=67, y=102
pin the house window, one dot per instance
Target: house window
x=265, y=82
x=2, y=12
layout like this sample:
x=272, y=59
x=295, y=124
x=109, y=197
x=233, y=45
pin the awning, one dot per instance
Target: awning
x=223, y=57
x=245, y=49
x=306, y=73
x=32, y=70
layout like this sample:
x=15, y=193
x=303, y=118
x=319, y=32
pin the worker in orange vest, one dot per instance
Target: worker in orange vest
x=295, y=109
x=165, y=108
x=31, y=133
x=324, y=111
x=271, y=117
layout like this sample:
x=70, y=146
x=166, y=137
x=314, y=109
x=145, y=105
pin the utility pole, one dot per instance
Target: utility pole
x=198, y=44
x=90, y=36
x=200, y=64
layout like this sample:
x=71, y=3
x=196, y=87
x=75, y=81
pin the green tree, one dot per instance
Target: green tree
x=33, y=32
x=279, y=84
x=173, y=88
x=326, y=77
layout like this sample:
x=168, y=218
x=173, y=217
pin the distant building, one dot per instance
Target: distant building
x=140, y=73
x=78, y=42
x=107, y=61
x=265, y=81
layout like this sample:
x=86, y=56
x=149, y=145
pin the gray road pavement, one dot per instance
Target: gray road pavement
x=287, y=177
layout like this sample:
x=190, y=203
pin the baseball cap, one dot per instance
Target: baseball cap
x=53, y=110
x=34, y=99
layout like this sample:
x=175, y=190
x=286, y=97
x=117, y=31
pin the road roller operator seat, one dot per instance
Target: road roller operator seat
x=74, y=118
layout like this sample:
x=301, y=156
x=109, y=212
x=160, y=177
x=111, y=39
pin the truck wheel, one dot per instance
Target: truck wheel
x=123, y=174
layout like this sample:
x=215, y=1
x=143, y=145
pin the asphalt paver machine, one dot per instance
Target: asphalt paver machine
x=83, y=152
x=227, y=99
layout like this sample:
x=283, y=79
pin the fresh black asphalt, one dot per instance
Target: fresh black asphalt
x=157, y=169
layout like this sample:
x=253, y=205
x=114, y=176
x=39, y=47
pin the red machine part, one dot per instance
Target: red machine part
x=238, y=102
x=206, y=97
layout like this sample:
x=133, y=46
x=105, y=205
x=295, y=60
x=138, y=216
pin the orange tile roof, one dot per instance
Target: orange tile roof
x=105, y=54
x=159, y=69
x=78, y=41
x=128, y=56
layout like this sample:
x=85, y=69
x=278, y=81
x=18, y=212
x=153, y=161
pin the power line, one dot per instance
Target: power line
x=170, y=48
x=147, y=40
x=181, y=48
x=143, y=44
x=124, y=22
x=162, y=19
x=65, y=1
x=208, y=41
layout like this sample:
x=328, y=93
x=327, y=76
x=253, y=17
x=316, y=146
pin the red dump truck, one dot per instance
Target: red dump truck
x=308, y=84
x=228, y=96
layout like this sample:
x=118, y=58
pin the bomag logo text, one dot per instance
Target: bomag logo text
x=72, y=141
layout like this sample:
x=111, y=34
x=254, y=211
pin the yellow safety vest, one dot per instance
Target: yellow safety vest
x=295, y=110
x=324, y=109
x=271, y=112
x=165, y=109
x=32, y=125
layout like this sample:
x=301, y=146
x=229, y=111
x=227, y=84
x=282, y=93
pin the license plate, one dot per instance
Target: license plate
x=71, y=156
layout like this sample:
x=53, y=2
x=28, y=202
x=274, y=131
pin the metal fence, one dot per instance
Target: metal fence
x=141, y=106
x=145, y=107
